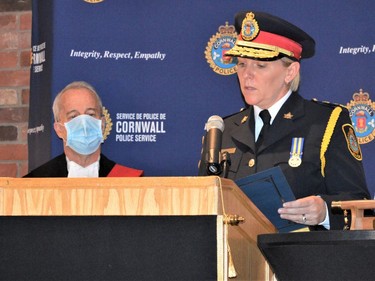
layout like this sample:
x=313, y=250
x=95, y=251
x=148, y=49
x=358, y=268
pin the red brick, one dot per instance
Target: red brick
x=8, y=97
x=25, y=21
x=15, y=46
x=24, y=40
x=14, y=114
x=13, y=152
x=23, y=168
x=8, y=59
x=9, y=40
x=8, y=170
x=25, y=99
x=14, y=78
x=8, y=21
x=25, y=59
x=22, y=132
x=8, y=133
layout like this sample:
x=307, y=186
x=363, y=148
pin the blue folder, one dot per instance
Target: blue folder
x=268, y=190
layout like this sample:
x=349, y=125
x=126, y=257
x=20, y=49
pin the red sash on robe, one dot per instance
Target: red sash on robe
x=122, y=171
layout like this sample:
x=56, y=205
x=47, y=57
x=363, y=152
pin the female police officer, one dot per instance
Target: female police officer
x=313, y=143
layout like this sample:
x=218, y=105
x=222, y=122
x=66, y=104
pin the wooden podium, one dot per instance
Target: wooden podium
x=150, y=228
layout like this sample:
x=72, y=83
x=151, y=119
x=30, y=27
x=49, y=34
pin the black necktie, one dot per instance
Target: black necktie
x=266, y=118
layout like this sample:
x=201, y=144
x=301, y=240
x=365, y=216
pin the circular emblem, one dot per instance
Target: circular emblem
x=295, y=161
x=108, y=123
x=216, y=48
x=361, y=111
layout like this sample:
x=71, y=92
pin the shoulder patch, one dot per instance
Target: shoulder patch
x=352, y=141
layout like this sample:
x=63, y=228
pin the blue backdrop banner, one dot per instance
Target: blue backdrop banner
x=159, y=68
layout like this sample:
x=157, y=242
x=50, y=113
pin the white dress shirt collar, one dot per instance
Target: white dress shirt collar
x=77, y=171
x=273, y=110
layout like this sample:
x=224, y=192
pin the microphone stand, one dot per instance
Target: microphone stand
x=222, y=169
x=225, y=163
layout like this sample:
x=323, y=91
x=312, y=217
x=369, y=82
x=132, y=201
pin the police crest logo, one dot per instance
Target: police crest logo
x=361, y=111
x=216, y=48
x=108, y=123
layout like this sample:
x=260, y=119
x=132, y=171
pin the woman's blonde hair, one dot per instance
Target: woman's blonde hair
x=294, y=84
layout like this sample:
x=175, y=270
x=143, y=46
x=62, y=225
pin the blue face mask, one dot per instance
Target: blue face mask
x=84, y=134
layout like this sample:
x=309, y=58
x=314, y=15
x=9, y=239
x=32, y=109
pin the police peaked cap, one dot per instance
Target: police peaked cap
x=266, y=37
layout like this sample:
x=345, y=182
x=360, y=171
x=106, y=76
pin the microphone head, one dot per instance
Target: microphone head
x=215, y=121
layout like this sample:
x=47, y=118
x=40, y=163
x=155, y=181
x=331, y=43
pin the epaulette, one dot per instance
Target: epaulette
x=329, y=104
x=235, y=113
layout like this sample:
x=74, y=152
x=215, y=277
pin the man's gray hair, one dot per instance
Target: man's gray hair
x=75, y=85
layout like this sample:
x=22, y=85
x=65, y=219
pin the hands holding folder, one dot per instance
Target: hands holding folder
x=309, y=210
x=271, y=193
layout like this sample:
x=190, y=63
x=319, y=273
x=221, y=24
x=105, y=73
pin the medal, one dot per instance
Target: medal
x=295, y=161
x=296, y=152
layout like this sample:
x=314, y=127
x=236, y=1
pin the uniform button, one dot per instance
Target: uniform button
x=251, y=163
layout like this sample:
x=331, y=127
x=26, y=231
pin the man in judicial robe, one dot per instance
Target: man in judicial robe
x=79, y=122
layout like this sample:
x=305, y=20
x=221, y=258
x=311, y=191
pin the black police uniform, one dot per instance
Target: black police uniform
x=330, y=162
x=339, y=176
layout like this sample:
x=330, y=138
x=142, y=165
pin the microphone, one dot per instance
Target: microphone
x=214, y=128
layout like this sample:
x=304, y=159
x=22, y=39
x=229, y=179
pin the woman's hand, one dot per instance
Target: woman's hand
x=309, y=210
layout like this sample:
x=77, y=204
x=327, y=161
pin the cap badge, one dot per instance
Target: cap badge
x=250, y=28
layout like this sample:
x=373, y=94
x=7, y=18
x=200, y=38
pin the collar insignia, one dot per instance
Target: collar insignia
x=288, y=115
x=244, y=119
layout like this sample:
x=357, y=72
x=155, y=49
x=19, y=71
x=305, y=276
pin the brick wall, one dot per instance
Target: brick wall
x=15, y=50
